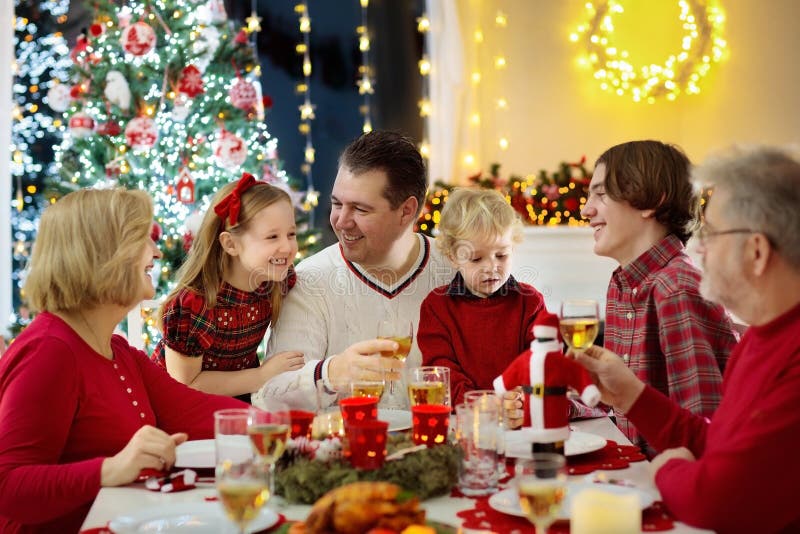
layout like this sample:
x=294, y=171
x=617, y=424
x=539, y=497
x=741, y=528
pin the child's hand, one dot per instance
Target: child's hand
x=512, y=408
x=281, y=362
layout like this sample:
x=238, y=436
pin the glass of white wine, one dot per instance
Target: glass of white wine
x=429, y=385
x=241, y=481
x=541, y=483
x=400, y=331
x=269, y=429
x=579, y=323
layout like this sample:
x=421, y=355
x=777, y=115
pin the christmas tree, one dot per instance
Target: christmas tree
x=165, y=97
x=42, y=63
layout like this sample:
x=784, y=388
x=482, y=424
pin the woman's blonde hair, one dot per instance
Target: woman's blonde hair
x=88, y=249
x=205, y=266
x=475, y=213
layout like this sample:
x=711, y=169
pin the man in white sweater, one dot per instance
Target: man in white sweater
x=380, y=269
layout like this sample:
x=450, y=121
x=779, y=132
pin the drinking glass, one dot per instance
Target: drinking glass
x=541, y=483
x=400, y=331
x=241, y=481
x=368, y=388
x=269, y=428
x=579, y=323
x=429, y=385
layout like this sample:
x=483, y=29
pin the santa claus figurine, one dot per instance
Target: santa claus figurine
x=544, y=374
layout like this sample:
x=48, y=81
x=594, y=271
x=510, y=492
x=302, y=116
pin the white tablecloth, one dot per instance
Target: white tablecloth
x=112, y=502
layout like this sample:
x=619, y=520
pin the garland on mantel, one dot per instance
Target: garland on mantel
x=541, y=199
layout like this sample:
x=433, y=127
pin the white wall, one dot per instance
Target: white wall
x=557, y=111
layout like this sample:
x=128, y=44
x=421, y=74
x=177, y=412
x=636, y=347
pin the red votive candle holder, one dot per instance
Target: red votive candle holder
x=365, y=443
x=430, y=423
x=358, y=409
x=301, y=423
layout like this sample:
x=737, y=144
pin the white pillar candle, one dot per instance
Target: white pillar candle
x=599, y=512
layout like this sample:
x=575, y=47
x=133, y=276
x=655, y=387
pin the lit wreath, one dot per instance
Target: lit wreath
x=701, y=46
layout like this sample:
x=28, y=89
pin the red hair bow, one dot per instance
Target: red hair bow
x=228, y=207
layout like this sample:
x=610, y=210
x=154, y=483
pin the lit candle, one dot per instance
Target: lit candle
x=600, y=512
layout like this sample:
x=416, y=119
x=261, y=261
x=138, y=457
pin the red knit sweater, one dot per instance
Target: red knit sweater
x=747, y=469
x=477, y=338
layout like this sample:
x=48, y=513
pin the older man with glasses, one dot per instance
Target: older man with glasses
x=739, y=472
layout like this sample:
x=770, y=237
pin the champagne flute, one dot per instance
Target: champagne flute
x=541, y=483
x=401, y=332
x=269, y=429
x=241, y=481
x=579, y=323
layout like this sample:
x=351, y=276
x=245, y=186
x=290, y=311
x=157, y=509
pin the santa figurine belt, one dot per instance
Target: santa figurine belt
x=540, y=390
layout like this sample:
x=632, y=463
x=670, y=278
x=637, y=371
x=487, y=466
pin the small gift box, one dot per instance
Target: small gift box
x=365, y=443
x=357, y=409
x=301, y=423
x=430, y=424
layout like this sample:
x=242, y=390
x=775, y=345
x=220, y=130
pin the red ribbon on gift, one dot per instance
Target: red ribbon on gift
x=229, y=207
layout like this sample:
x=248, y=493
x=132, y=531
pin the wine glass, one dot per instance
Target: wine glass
x=241, y=481
x=579, y=323
x=541, y=483
x=400, y=331
x=269, y=428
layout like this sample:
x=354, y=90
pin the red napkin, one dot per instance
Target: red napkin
x=612, y=456
x=655, y=518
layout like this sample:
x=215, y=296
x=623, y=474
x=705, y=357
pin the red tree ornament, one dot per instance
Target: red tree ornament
x=141, y=133
x=191, y=81
x=81, y=124
x=138, y=39
x=156, y=232
x=110, y=127
x=185, y=187
x=229, y=149
x=243, y=94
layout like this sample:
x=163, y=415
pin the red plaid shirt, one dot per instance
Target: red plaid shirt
x=225, y=336
x=670, y=336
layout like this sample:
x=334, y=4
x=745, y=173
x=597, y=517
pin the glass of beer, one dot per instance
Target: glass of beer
x=541, y=483
x=401, y=332
x=579, y=323
x=429, y=385
x=241, y=480
x=269, y=429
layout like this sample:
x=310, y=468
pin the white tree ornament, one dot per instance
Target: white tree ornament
x=138, y=39
x=229, y=149
x=141, y=133
x=117, y=90
x=59, y=98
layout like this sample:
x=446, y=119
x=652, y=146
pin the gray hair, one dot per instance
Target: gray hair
x=763, y=188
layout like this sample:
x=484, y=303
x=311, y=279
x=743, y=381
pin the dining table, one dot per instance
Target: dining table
x=112, y=502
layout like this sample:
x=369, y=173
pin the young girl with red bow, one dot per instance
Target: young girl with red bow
x=229, y=291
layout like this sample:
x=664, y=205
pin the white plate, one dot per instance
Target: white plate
x=507, y=501
x=518, y=443
x=397, y=419
x=201, y=453
x=197, y=453
x=196, y=518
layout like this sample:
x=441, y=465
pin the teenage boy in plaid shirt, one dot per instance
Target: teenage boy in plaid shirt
x=643, y=209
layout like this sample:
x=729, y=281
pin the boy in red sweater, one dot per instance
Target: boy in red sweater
x=483, y=319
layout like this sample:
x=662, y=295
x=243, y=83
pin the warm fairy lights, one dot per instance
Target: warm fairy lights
x=364, y=83
x=424, y=65
x=701, y=46
x=306, y=108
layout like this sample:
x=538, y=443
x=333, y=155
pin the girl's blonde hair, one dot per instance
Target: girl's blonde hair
x=475, y=213
x=88, y=250
x=204, y=268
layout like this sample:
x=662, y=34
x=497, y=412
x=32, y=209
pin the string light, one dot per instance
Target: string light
x=500, y=66
x=701, y=46
x=307, y=109
x=424, y=64
x=364, y=83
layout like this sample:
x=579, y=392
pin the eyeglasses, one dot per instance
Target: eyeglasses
x=704, y=233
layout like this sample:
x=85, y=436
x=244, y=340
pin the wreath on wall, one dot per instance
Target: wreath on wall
x=701, y=46
x=546, y=198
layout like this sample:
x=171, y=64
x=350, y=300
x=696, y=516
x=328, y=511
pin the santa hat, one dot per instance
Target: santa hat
x=546, y=326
